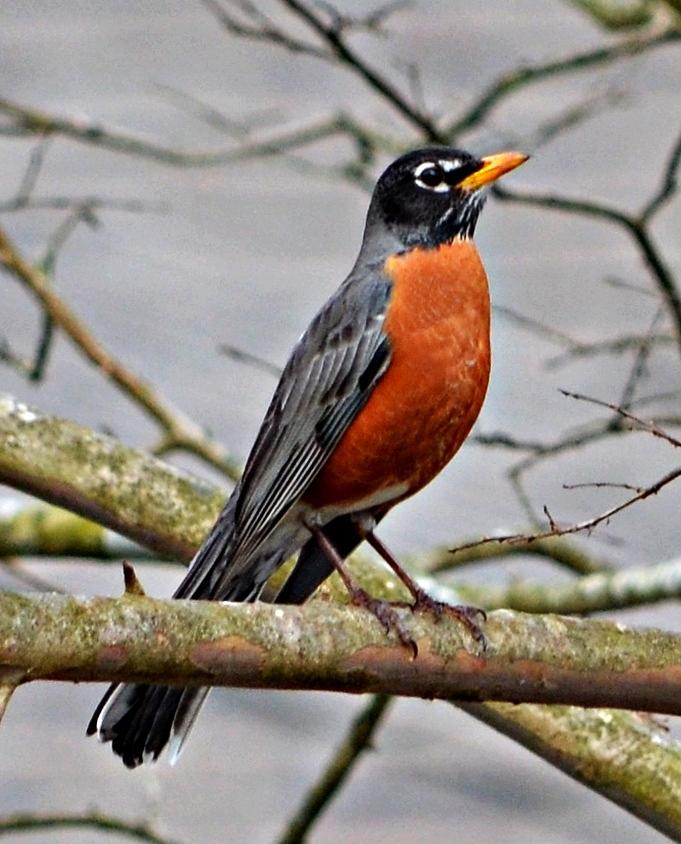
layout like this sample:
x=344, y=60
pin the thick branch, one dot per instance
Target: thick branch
x=628, y=758
x=98, y=477
x=536, y=659
x=594, y=593
x=40, y=530
x=97, y=469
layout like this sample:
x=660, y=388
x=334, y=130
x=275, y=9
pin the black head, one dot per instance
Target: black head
x=433, y=195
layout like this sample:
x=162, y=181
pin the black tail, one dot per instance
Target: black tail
x=141, y=719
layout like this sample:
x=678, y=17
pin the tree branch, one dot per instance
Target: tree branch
x=337, y=771
x=29, y=822
x=556, y=549
x=514, y=80
x=628, y=758
x=322, y=646
x=98, y=477
x=179, y=431
x=594, y=593
x=40, y=530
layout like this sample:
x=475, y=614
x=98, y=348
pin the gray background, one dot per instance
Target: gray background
x=245, y=255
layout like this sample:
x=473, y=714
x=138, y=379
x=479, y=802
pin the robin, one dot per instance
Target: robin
x=377, y=397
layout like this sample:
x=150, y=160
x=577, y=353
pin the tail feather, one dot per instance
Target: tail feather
x=140, y=719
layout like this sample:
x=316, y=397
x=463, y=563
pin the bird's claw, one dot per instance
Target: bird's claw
x=468, y=616
x=386, y=613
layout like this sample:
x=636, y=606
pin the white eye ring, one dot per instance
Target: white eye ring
x=441, y=187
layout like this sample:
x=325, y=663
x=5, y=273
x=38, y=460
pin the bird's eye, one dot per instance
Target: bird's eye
x=431, y=176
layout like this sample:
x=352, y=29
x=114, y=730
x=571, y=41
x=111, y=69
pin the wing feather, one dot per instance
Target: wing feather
x=328, y=380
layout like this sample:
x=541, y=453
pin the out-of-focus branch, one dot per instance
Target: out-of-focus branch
x=513, y=81
x=358, y=740
x=615, y=15
x=324, y=646
x=636, y=225
x=95, y=821
x=40, y=530
x=593, y=593
x=626, y=757
x=556, y=549
x=30, y=121
x=179, y=432
x=91, y=474
x=9, y=680
x=331, y=28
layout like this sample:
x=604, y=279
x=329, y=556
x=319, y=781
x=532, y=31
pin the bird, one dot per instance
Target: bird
x=377, y=396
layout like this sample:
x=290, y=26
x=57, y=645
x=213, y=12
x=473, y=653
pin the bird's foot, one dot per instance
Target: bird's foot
x=386, y=613
x=470, y=617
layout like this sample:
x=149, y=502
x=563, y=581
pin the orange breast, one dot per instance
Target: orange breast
x=422, y=409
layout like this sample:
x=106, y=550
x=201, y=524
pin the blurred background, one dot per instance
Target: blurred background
x=243, y=254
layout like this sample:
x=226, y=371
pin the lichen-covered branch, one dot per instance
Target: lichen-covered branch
x=41, y=530
x=594, y=593
x=322, y=646
x=98, y=477
x=148, y=500
x=628, y=758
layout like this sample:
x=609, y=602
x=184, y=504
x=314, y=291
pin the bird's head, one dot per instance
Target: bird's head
x=432, y=195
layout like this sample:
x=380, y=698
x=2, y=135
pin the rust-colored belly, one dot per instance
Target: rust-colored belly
x=426, y=403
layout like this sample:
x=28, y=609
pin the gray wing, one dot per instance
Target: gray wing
x=327, y=380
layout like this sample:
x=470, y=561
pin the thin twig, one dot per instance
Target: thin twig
x=513, y=81
x=29, y=822
x=339, y=768
x=585, y=526
x=179, y=431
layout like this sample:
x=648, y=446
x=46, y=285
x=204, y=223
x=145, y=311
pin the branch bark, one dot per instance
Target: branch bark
x=536, y=659
x=628, y=758
x=96, y=476
x=621, y=755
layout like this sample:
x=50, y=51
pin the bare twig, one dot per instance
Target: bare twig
x=669, y=186
x=34, y=121
x=642, y=424
x=179, y=431
x=331, y=30
x=95, y=821
x=515, y=80
x=635, y=225
x=555, y=549
x=614, y=346
x=346, y=756
x=242, y=356
x=585, y=526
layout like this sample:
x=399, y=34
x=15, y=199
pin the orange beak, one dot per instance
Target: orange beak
x=493, y=166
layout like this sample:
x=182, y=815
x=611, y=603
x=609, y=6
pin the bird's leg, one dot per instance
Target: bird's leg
x=382, y=610
x=468, y=616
